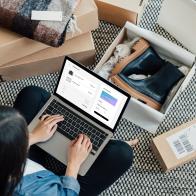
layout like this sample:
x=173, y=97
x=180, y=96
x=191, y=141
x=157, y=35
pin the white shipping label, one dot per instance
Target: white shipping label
x=47, y=15
x=183, y=143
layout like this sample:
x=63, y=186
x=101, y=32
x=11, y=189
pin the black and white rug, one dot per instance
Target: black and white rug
x=145, y=177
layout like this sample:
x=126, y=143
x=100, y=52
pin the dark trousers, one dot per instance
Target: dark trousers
x=114, y=160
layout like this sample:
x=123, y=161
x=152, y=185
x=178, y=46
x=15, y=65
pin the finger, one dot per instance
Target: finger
x=44, y=117
x=50, y=118
x=88, y=143
x=80, y=139
x=90, y=148
x=74, y=141
x=85, y=140
x=54, y=122
x=53, y=130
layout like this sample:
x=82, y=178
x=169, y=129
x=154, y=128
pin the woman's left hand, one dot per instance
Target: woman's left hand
x=45, y=129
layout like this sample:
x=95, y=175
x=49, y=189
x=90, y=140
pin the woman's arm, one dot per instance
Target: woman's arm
x=78, y=151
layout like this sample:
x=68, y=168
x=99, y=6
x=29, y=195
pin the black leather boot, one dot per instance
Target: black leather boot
x=153, y=90
x=143, y=60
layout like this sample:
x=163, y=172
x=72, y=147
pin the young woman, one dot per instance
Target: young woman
x=22, y=176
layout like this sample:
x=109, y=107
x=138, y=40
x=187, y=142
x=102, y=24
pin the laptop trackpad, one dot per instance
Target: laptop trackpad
x=57, y=146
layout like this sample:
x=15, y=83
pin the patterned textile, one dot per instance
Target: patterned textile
x=16, y=16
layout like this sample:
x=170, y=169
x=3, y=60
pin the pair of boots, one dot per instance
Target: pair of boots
x=144, y=60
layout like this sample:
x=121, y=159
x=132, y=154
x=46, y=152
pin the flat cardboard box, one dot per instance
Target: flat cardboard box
x=118, y=11
x=136, y=111
x=182, y=150
x=50, y=60
x=14, y=46
x=181, y=22
x=86, y=17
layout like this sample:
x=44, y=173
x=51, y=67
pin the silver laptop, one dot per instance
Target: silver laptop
x=89, y=104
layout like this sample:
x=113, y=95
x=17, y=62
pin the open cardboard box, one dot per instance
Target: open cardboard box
x=136, y=111
x=118, y=12
x=14, y=46
x=50, y=60
x=181, y=22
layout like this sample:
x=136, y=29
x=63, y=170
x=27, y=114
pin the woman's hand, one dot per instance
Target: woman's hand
x=78, y=152
x=45, y=129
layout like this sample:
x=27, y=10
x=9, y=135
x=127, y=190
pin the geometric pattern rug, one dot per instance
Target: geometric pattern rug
x=145, y=177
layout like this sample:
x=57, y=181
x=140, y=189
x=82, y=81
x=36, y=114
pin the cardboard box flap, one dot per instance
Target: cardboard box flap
x=178, y=18
x=118, y=12
x=162, y=45
x=85, y=7
x=87, y=10
x=134, y=5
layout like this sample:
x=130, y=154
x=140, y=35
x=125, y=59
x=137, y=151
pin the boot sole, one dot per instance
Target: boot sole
x=136, y=94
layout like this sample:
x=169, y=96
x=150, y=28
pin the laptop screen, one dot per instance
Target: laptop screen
x=91, y=94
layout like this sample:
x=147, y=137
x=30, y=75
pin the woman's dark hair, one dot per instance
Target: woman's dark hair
x=13, y=149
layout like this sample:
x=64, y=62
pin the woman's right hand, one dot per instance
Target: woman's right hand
x=79, y=150
x=45, y=129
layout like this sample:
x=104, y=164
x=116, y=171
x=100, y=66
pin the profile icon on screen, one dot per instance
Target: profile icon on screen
x=71, y=73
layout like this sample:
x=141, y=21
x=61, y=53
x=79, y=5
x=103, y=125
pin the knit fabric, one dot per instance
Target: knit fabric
x=16, y=16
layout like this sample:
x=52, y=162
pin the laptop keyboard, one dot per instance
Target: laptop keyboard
x=73, y=125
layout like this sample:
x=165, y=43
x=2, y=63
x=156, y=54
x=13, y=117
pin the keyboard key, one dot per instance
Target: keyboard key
x=77, y=125
x=102, y=136
x=81, y=128
x=73, y=123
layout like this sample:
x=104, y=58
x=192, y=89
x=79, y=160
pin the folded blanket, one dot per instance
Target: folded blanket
x=16, y=16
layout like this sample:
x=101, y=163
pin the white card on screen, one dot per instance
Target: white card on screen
x=47, y=15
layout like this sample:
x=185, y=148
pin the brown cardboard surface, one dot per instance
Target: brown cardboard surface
x=86, y=17
x=50, y=60
x=14, y=46
x=118, y=11
x=164, y=153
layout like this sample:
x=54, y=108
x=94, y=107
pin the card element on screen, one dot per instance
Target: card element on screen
x=108, y=98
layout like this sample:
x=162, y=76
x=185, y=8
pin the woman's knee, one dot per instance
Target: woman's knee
x=126, y=154
x=34, y=93
x=122, y=153
x=29, y=90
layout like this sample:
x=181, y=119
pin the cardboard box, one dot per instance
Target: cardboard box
x=176, y=147
x=50, y=60
x=118, y=11
x=14, y=46
x=86, y=17
x=181, y=22
x=136, y=111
